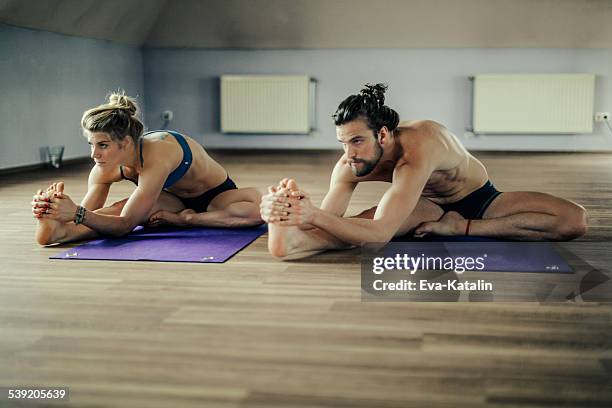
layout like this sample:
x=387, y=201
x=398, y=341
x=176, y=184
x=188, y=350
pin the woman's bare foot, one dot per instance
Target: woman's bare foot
x=451, y=224
x=168, y=218
x=50, y=231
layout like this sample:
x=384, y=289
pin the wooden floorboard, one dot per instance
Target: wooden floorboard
x=256, y=332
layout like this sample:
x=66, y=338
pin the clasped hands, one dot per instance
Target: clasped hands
x=284, y=205
x=54, y=205
x=287, y=205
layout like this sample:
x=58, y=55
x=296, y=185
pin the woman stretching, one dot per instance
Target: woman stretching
x=177, y=183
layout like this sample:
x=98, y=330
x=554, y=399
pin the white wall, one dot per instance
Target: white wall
x=47, y=80
x=424, y=84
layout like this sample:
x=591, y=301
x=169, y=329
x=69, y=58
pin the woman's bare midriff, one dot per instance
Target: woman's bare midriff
x=205, y=173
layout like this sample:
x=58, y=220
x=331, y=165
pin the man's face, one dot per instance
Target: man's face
x=360, y=145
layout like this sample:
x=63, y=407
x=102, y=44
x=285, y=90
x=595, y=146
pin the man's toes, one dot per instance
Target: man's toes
x=292, y=185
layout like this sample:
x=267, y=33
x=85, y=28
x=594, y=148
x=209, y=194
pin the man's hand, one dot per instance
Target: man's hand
x=300, y=211
x=271, y=205
x=287, y=205
x=275, y=204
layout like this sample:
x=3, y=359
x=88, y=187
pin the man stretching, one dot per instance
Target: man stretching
x=437, y=187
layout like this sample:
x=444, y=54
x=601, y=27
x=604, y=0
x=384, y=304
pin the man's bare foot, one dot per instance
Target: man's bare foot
x=50, y=231
x=451, y=224
x=168, y=218
x=283, y=240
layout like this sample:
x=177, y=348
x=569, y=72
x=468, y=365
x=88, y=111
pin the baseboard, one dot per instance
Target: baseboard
x=40, y=166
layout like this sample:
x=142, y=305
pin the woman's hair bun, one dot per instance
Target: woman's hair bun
x=117, y=117
x=119, y=100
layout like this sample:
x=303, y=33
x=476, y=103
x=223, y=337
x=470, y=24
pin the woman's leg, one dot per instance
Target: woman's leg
x=231, y=209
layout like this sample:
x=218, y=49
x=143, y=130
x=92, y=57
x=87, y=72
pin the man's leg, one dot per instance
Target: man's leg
x=527, y=216
x=290, y=243
x=231, y=209
x=55, y=232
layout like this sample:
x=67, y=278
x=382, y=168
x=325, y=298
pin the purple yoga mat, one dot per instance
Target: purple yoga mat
x=205, y=245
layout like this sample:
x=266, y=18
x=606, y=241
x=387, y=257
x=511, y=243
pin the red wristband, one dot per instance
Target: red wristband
x=467, y=228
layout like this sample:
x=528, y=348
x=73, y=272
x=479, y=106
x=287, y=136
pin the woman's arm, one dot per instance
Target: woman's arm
x=98, y=186
x=136, y=210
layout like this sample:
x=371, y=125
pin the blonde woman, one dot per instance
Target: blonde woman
x=177, y=182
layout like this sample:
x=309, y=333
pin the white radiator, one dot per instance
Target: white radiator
x=267, y=104
x=517, y=104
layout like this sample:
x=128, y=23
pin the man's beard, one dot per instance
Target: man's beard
x=368, y=165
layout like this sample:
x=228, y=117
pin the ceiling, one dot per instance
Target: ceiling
x=323, y=23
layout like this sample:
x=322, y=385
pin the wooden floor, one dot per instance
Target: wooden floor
x=256, y=332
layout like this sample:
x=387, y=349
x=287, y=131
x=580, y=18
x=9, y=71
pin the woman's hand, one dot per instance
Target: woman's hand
x=61, y=208
x=40, y=203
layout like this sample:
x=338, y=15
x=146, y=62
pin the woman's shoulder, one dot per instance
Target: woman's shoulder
x=157, y=134
x=160, y=150
x=163, y=137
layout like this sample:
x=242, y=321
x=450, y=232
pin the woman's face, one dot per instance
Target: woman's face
x=105, y=152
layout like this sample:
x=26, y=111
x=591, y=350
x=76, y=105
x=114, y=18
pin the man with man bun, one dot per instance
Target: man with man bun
x=437, y=187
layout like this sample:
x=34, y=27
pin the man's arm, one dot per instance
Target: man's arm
x=341, y=188
x=287, y=241
x=395, y=207
x=336, y=200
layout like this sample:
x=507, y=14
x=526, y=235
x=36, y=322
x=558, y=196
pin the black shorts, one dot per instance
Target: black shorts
x=200, y=203
x=474, y=205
